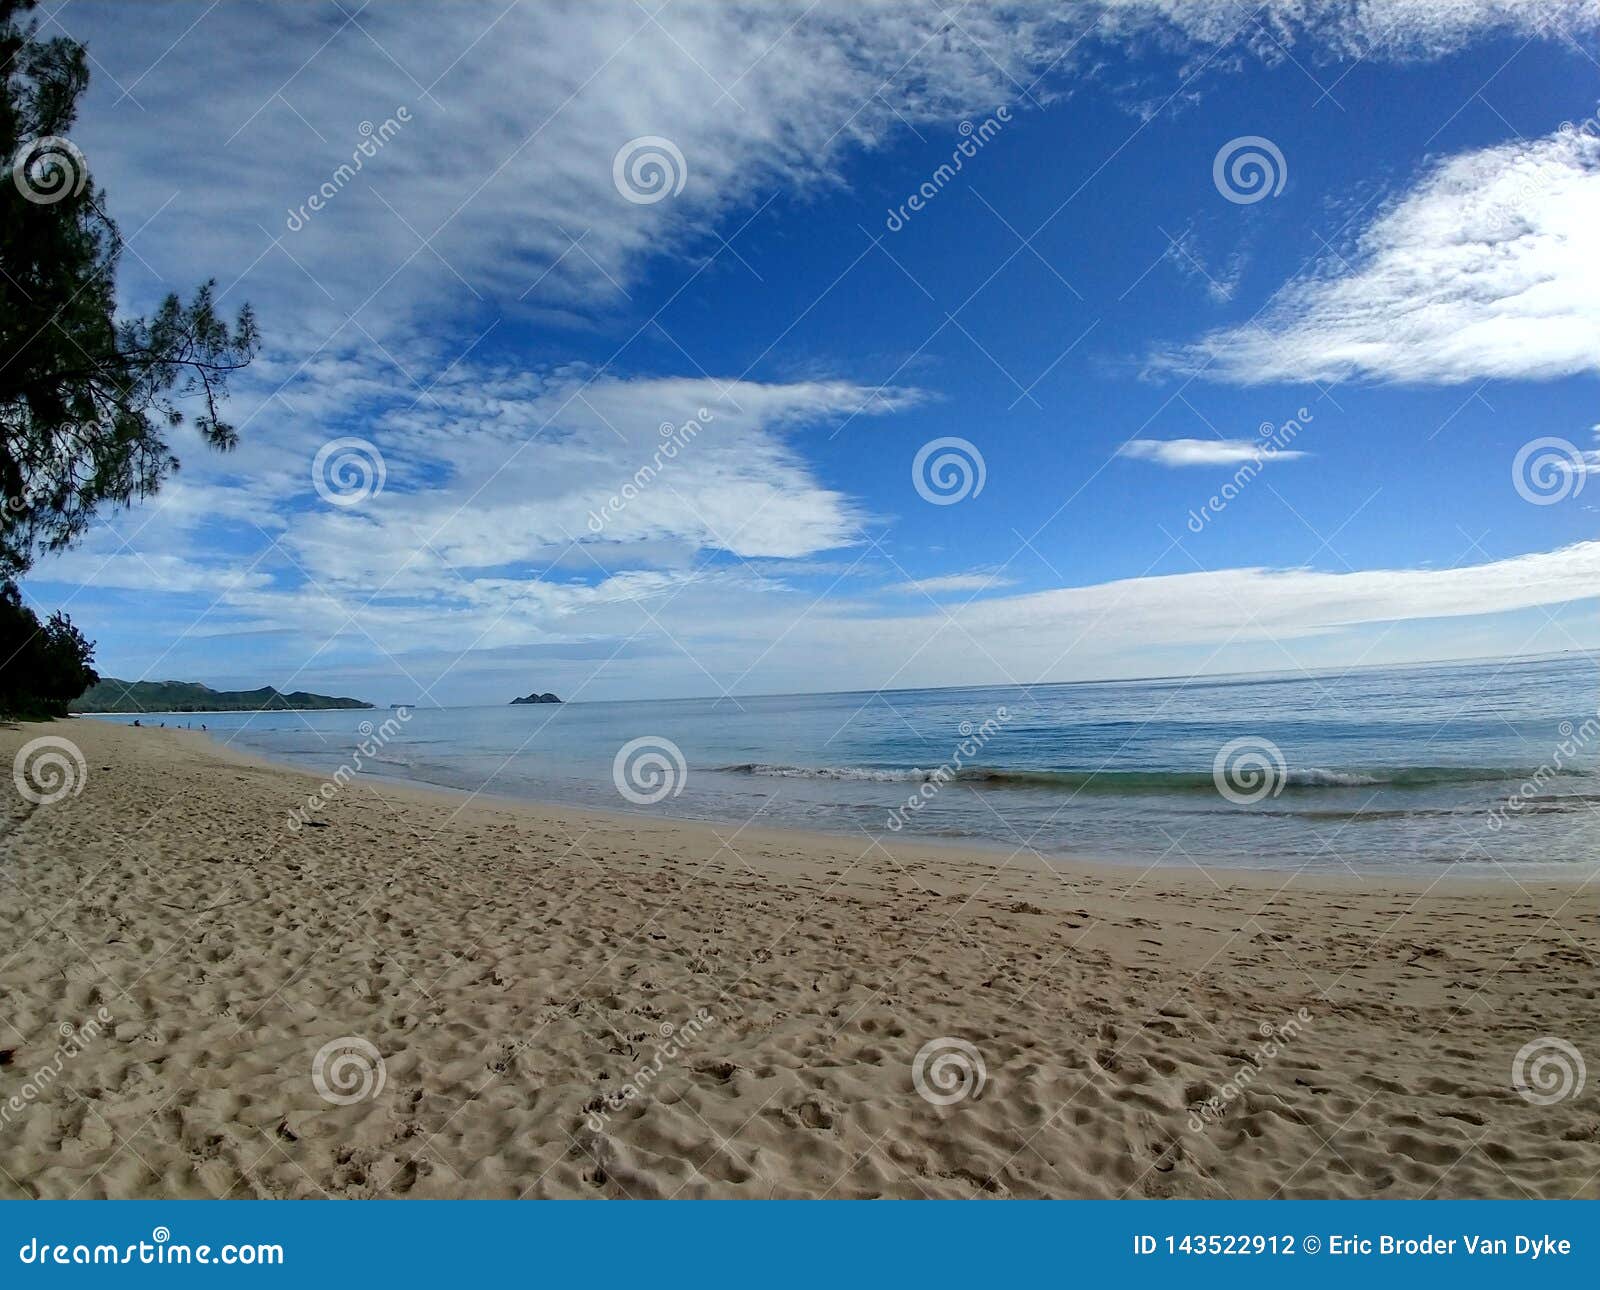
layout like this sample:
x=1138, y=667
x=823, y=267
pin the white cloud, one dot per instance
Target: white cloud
x=1394, y=29
x=152, y=571
x=1488, y=268
x=517, y=470
x=1201, y=452
x=1221, y=281
x=1172, y=623
x=496, y=198
x=1274, y=604
x=498, y=192
x=951, y=583
x=692, y=631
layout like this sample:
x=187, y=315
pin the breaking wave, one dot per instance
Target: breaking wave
x=1138, y=781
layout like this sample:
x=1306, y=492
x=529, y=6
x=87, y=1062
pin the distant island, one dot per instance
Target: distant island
x=537, y=698
x=111, y=695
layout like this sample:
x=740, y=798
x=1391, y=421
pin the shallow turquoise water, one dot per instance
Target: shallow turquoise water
x=1372, y=769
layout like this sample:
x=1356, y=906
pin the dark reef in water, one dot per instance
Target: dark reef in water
x=537, y=698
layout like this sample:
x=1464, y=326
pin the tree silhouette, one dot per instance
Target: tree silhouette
x=43, y=666
x=85, y=399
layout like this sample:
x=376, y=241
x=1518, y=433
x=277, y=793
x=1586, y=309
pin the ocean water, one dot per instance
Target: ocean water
x=1486, y=767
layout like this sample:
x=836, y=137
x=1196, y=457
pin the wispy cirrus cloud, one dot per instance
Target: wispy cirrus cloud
x=1489, y=267
x=1392, y=29
x=499, y=192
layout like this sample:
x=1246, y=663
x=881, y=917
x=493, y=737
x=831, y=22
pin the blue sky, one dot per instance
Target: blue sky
x=484, y=308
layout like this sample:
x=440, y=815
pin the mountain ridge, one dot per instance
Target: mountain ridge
x=112, y=695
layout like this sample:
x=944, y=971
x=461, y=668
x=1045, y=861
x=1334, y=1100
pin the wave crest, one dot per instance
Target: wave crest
x=1137, y=781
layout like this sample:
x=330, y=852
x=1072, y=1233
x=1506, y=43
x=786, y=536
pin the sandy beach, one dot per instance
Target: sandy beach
x=435, y=997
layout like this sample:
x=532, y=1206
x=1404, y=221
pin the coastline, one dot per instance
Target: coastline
x=511, y=966
x=1269, y=870
x=942, y=846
